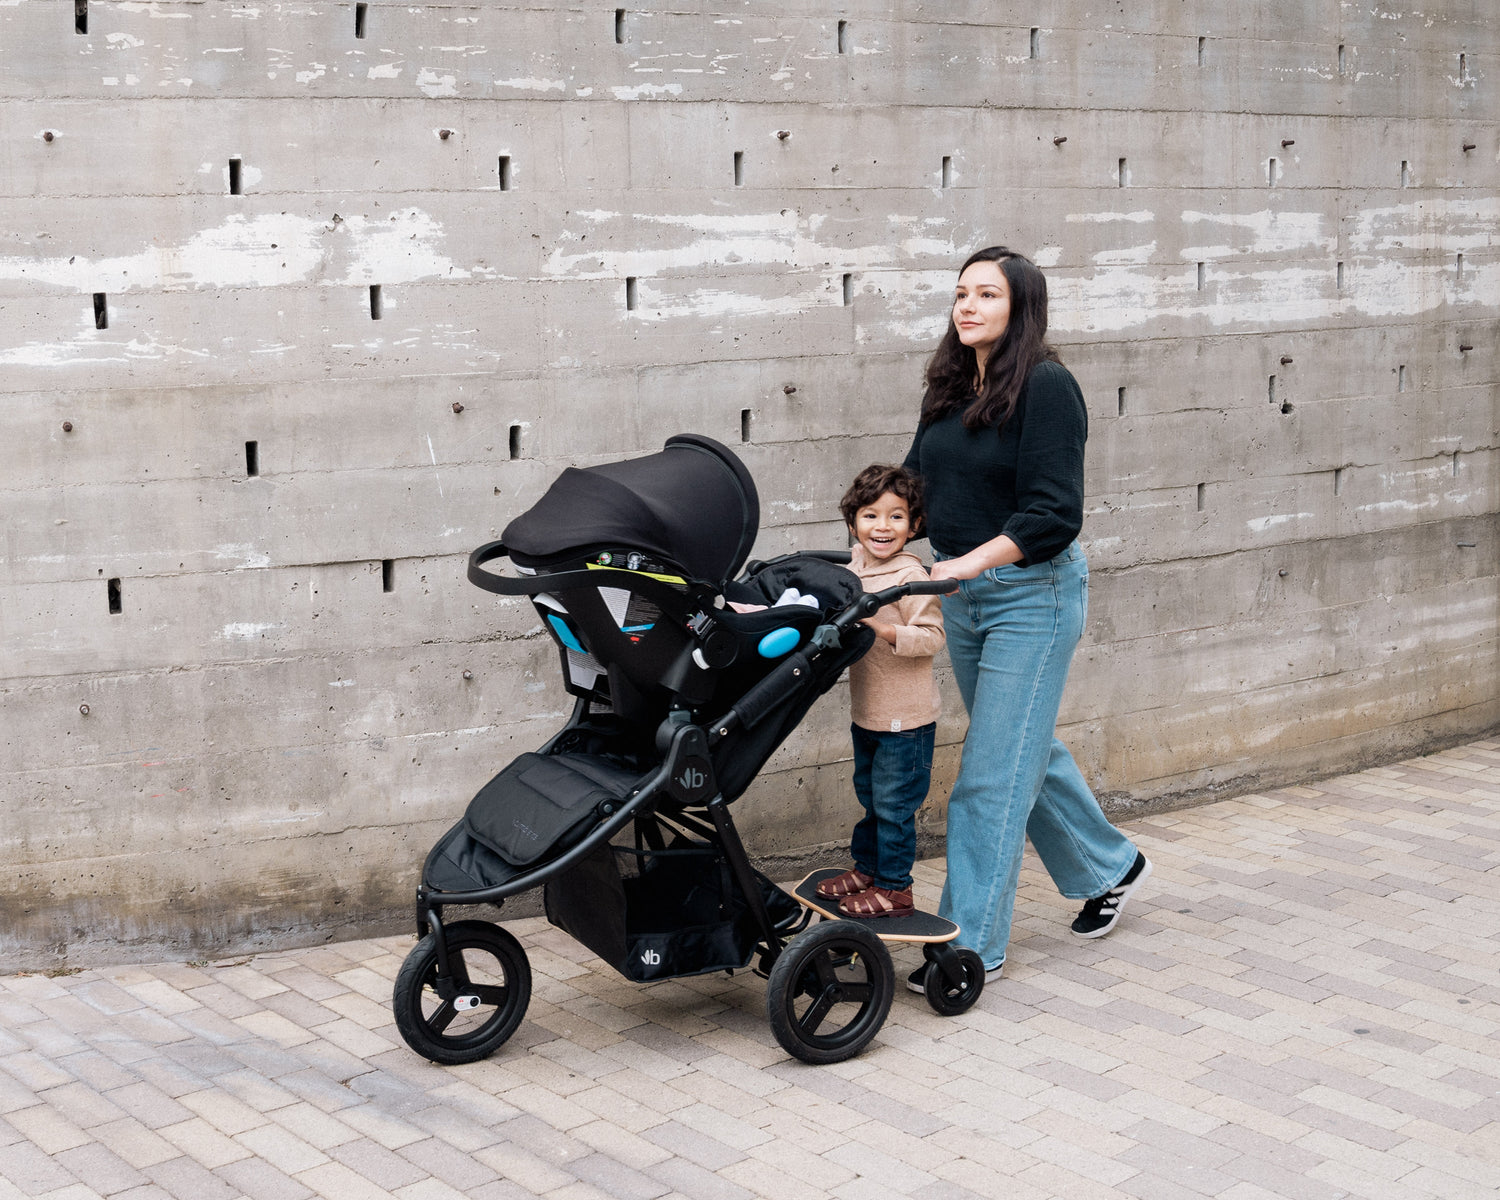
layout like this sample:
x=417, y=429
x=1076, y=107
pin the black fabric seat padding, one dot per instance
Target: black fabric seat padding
x=542, y=804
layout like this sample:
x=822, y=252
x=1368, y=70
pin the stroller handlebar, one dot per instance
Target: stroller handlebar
x=771, y=690
x=872, y=602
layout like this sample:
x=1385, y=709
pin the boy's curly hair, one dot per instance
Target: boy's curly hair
x=873, y=482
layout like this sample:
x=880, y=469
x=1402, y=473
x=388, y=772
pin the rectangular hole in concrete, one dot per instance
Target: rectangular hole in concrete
x=1202, y=47
x=843, y=37
x=1271, y=390
x=744, y=424
x=619, y=27
x=1455, y=464
x=1121, y=398
x=1343, y=61
x=252, y=458
x=1463, y=68
x=1405, y=173
x=376, y=302
x=1271, y=173
x=80, y=16
x=361, y=13
x=113, y=594
x=234, y=177
x=1339, y=278
x=632, y=293
x=1202, y=275
x=1338, y=480
x=515, y=441
x=1401, y=378
x=387, y=575
x=739, y=168
x=503, y=172
x=947, y=170
x=1123, y=174
x=848, y=289
x=1460, y=268
x=1036, y=43
x=1202, y=496
x=101, y=311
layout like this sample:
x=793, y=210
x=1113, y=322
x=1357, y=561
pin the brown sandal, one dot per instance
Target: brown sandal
x=879, y=902
x=850, y=883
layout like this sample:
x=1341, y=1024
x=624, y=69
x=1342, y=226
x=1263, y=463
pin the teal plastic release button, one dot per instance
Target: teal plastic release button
x=778, y=642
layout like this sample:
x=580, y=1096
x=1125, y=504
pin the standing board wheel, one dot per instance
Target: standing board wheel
x=829, y=992
x=947, y=998
x=491, y=987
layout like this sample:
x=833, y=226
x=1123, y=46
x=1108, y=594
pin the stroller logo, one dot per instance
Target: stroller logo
x=527, y=830
x=651, y=958
x=692, y=779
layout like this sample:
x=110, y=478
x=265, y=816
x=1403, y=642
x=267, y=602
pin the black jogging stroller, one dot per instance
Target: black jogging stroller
x=623, y=816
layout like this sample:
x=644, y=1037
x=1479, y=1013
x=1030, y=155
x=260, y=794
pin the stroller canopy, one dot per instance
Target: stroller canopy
x=692, y=504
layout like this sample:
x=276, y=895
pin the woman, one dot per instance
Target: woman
x=999, y=447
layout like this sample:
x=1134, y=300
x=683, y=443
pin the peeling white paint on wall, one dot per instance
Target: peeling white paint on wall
x=273, y=249
x=1270, y=231
x=248, y=630
x=646, y=91
x=534, y=85
x=1433, y=223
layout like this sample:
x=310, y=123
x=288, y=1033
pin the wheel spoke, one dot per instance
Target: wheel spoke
x=443, y=1017
x=823, y=964
x=858, y=993
x=490, y=994
x=813, y=1017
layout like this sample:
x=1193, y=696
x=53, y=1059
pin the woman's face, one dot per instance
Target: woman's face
x=981, y=307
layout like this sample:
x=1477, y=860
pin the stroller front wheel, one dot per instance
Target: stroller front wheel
x=469, y=1016
x=947, y=998
x=829, y=992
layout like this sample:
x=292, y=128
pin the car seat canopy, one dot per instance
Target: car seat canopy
x=692, y=505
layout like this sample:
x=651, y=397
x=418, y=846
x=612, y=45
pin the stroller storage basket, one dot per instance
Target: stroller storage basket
x=658, y=913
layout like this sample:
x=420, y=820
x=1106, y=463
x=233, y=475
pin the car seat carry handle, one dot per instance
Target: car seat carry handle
x=663, y=595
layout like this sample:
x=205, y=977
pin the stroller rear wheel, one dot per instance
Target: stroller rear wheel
x=829, y=992
x=470, y=1015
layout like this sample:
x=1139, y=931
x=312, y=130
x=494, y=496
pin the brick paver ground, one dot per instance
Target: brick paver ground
x=1303, y=1002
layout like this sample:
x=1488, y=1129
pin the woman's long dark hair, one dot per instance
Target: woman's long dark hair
x=953, y=370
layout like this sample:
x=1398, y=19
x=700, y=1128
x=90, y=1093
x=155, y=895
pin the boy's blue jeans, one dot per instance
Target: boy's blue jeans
x=1011, y=633
x=891, y=774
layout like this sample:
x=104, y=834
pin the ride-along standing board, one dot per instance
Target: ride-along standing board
x=955, y=977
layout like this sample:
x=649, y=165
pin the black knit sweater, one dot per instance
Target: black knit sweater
x=1025, y=481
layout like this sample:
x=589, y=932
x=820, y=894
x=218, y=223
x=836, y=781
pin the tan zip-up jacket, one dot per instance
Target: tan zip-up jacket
x=892, y=688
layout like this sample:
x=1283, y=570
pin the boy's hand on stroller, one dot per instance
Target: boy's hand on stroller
x=885, y=632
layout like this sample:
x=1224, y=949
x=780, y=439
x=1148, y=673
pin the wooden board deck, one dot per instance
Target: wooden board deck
x=919, y=926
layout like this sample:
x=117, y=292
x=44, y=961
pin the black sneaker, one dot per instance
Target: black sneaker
x=917, y=980
x=1101, y=915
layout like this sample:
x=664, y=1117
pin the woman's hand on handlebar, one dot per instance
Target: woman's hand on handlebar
x=954, y=568
x=997, y=552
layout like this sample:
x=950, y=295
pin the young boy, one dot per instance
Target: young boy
x=893, y=697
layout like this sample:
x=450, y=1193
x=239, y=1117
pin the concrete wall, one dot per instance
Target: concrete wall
x=1270, y=233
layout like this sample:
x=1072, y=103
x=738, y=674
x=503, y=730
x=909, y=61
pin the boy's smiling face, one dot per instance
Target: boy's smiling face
x=883, y=527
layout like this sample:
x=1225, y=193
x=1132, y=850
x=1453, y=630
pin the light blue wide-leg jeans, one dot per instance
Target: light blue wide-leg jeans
x=1011, y=634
